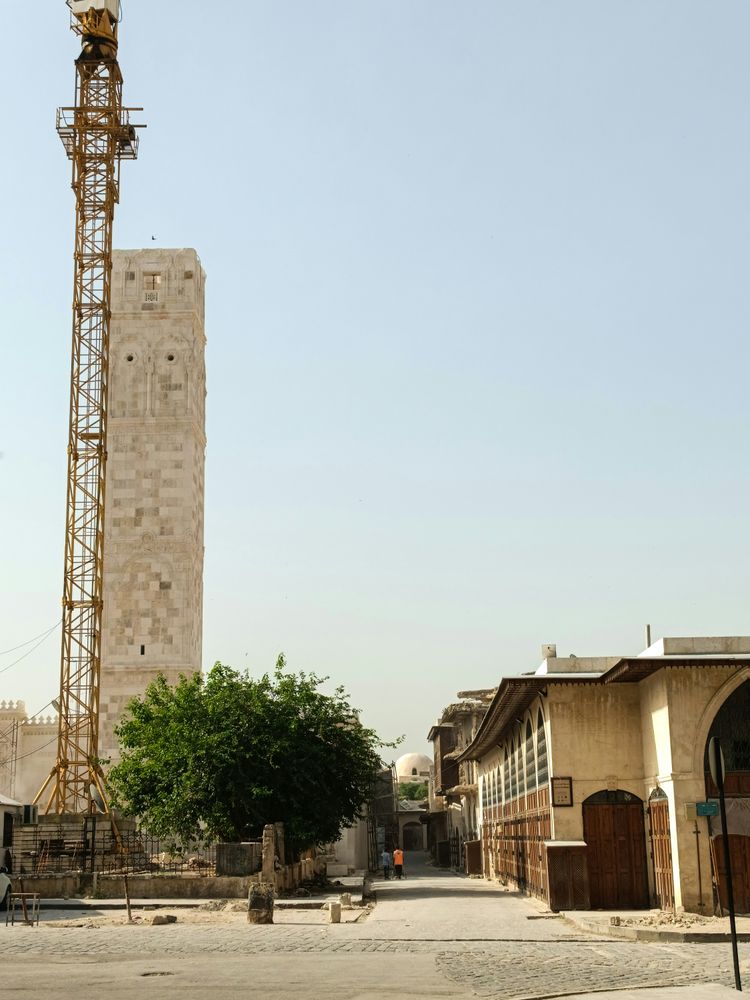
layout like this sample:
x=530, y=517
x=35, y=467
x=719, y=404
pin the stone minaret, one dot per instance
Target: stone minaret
x=153, y=549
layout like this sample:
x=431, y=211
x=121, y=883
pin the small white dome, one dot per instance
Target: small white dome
x=413, y=767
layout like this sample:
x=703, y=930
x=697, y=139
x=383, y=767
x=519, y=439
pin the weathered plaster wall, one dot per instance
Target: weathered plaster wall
x=37, y=751
x=595, y=738
x=352, y=848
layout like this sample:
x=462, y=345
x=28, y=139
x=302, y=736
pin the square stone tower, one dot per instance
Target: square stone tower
x=153, y=544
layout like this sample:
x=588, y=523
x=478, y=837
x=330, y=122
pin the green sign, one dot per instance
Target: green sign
x=707, y=808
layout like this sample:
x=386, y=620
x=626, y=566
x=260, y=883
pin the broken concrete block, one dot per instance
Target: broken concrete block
x=334, y=912
x=163, y=918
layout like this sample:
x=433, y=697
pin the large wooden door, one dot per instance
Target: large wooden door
x=739, y=853
x=661, y=850
x=614, y=832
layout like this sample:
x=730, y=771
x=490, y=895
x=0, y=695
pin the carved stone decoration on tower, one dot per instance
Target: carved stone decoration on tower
x=153, y=546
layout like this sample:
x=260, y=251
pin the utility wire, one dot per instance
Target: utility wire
x=48, y=705
x=45, y=636
x=35, y=750
x=4, y=652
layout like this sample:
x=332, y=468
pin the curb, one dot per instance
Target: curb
x=81, y=905
x=648, y=934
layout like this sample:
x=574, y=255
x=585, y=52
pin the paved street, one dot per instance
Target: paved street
x=432, y=935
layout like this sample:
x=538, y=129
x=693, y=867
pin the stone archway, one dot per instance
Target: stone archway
x=413, y=837
x=731, y=725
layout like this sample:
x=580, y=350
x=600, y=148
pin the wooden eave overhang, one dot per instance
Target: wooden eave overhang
x=633, y=669
x=515, y=694
x=513, y=697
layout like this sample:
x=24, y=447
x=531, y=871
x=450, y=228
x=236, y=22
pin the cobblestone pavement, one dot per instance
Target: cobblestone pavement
x=472, y=937
x=549, y=970
x=497, y=969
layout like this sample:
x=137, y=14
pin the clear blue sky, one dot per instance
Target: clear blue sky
x=477, y=317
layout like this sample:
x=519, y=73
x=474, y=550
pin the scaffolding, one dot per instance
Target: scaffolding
x=8, y=758
x=382, y=816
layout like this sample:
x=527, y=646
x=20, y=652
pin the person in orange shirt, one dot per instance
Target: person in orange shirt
x=398, y=862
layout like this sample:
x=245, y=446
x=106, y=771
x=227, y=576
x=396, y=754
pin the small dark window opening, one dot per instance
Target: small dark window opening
x=129, y=357
x=143, y=650
x=170, y=357
x=414, y=770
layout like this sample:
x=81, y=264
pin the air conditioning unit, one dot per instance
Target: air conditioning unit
x=30, y=815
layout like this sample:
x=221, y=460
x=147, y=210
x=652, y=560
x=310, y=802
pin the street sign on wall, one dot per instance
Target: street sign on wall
x=707, y=808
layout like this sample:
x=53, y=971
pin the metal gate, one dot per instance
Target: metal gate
x=661, y=849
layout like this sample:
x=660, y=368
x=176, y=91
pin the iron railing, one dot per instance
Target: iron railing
x=91, y=847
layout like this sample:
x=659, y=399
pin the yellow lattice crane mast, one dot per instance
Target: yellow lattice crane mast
x=97, y=136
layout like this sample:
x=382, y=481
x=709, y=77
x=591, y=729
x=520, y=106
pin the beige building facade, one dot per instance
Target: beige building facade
x=454, y=821
x=153, y=547
x=591, y=772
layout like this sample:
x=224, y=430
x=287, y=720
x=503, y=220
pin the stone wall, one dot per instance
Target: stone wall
x=36, y=749
x=76, y=886
x=153, y=555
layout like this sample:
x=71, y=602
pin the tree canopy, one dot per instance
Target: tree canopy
x=413, y=791
x=217, y=757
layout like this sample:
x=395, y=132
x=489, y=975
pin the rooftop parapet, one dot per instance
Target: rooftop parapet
x=700, y=645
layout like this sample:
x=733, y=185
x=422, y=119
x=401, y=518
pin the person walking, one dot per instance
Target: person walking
x=398, y=862
x=385, y=860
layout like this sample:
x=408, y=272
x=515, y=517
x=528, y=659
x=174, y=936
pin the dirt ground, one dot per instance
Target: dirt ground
x=214, y=913
x=677, y=920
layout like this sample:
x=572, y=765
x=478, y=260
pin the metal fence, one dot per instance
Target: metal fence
x=91, y=846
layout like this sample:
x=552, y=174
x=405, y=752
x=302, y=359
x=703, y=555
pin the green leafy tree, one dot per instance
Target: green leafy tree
x=217, y=757
x=413, y=791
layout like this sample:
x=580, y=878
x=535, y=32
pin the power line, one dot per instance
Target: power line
x=45, y=636
x=37, y=749
x=48, y=705
x=4, y=652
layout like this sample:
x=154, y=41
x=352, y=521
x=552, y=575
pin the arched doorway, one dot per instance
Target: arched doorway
x=732, y=727
x=615, y=836
x=413, y=837
x=661, y=848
